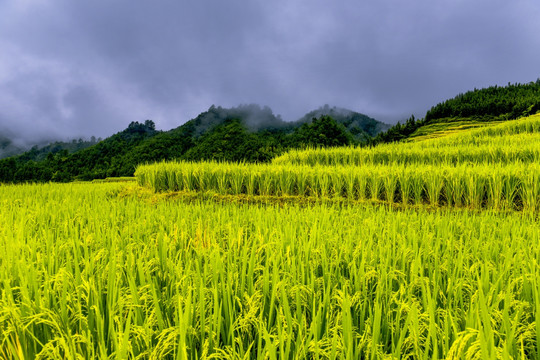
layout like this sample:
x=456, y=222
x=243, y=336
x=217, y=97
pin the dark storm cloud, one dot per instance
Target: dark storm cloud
x=72, y=68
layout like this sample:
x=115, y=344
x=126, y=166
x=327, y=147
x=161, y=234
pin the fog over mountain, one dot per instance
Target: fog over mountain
x=70, y=69
x=8, y=147
x=253, y=117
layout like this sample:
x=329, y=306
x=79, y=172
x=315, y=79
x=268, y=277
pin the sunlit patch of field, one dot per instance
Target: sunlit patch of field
x=454, y=126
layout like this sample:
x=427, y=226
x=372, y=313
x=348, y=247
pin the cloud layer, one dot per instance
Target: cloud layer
x=74, y=68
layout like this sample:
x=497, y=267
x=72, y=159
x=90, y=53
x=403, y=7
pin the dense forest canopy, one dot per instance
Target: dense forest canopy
x=494, y=102
x=361, y=127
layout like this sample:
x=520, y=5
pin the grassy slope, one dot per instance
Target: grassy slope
x=472, y=109
x=515, y=134
x=444, y=128
x=450, y=126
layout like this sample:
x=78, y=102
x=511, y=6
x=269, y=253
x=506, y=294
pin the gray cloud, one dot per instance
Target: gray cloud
x=71, y=68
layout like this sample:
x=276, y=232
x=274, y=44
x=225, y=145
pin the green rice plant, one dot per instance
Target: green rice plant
x=530, y=184
x=237, y=181
x=495, y=185
x=322, y=184
x=107, y=270
x=418, y=187
x=287, y=182
x=160, y=180
x=252, y=184
x=189, y=178
x=434, y=184
x=455, y=187
x=405, y=186
x=375, y=185
x=302, y=183
x=474, y=185
x=390, y=182
x=222, y=182
x=336, y=182
x=205, y=181
x=351, y=186
x=512, y=190
x=170, y=181
x=266, y=184
x=362, y=185
x=177, y=180
x=337, y=187
x=475, y=189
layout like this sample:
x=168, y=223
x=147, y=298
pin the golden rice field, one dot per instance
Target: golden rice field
x=427, y=259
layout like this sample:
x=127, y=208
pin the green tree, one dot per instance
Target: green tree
x=228, y=142
x=322, y=132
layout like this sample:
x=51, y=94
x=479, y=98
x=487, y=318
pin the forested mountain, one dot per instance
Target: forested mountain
x=38, y=153
x=361, y=126
x=244, y=133
x=41, y=150
x=494, y=103
x=253, y=117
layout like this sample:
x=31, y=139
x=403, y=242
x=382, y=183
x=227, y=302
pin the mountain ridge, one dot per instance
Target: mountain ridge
x=243, y=133
x=255, y=118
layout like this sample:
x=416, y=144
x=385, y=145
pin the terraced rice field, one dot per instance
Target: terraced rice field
x=122, y=270
x=494, y=167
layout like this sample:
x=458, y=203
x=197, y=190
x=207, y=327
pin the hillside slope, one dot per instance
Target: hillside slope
x=494, y=143
x=496, y=167
x=472, y=109
x=492, y=103
x=244, y=133
x=361, y=126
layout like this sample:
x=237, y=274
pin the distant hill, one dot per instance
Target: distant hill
x=359, y=125
x=471, y=109
x=259, y=119
x=38, y=153
x=492, y=103
x=254, y=118
x=41, y=150
x=244, y=133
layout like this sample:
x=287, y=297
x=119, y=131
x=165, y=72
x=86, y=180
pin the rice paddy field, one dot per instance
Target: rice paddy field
x=421, y=250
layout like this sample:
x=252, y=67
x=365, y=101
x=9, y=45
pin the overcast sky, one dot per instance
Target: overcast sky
x=70, y=68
